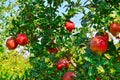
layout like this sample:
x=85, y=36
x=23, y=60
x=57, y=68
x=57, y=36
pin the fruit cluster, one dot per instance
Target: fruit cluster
x=64, y=64
x=99, y=44
x=21, y=39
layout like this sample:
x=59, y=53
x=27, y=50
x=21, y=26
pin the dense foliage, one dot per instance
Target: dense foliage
x=51, y=39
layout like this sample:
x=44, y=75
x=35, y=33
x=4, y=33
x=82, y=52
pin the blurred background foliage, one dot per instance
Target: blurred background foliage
x=13, y=66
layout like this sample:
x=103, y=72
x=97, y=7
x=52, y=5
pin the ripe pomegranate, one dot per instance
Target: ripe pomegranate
x=11, y=43
x=70, y=26
x=63, y=63
x=99, y=45
x=104, y=34
x=68, y=76
x=53, y=50
x=22, y=39
x=115, y=29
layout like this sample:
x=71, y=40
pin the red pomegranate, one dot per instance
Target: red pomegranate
x=68, y=76
x=70, y=26
x=63, y=63
x=11, y=43
x=99, y=45
x=104, y=34
x=115, y=29
x=22, y=39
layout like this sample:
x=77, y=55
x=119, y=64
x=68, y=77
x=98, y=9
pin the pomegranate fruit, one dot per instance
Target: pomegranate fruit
x=68, y=76
x=63, y=63
x=11, y=43
x=22, y=39
x=99, y=45
x=115, y=29
x=70, y=26
x=104, y=34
